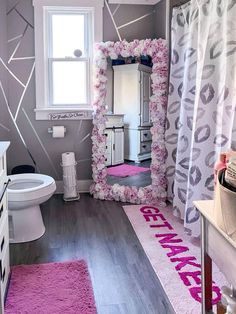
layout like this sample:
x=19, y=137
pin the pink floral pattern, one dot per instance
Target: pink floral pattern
x=155, y=193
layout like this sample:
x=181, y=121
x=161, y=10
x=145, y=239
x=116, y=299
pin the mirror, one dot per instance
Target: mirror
x=142, y=122
x=128, y=145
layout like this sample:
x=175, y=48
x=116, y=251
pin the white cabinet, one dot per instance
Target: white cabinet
x=4, y=229
x=132, y=91
x=145, y=91
x=114, y=140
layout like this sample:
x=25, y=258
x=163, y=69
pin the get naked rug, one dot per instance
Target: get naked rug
x=174, y=258
x=51, y=288
x=125, y=170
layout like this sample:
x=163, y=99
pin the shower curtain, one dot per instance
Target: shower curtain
x=202, y=98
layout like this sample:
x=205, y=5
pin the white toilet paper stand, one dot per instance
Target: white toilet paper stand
x=71, y=199
x=70, y=183
x=69, y=177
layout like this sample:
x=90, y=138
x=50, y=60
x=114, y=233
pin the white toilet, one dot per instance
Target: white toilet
x=25, y=193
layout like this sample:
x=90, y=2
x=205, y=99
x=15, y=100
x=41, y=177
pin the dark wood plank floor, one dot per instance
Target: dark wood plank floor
x=99, y=232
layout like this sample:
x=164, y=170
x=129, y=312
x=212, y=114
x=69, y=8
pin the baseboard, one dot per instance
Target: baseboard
x=83, y=186
x=138, y=158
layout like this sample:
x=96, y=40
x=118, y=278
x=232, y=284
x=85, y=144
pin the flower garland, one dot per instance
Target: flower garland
x=155, y=193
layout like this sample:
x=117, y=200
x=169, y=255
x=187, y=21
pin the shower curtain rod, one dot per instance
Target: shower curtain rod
x=181, y=3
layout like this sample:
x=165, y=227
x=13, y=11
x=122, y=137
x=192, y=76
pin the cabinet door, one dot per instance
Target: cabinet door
x=108, y=134
x=145, y=96
x=118, y=147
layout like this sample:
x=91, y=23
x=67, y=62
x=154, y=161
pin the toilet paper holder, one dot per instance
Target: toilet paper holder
x=50, y=130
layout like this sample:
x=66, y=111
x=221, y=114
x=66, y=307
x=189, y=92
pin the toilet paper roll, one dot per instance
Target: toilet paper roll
x=69, y=170
x=68, y=159
x=58, y=131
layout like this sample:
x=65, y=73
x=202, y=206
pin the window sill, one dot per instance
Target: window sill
x=55, y=114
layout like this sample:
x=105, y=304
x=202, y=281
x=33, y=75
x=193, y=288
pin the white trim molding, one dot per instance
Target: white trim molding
x=43, y=110
x=143, y=2
x=83, y=186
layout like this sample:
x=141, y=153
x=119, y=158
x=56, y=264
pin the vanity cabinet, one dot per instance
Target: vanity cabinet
x=4, y=229
x=114, y=133
x=132, y=91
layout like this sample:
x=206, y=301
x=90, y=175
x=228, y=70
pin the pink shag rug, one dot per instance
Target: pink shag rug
x=52, y=288
x=174, y=256
x=125, y=170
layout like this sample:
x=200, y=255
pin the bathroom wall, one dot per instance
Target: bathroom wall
x=30, y=139
x=141, y=29
x=4, y=119
x=144, y=28
x=160, y=19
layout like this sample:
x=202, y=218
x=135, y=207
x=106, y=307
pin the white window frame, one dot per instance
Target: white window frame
x=41, y=8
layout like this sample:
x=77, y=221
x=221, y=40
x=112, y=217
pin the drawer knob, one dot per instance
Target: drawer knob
x=145, y=134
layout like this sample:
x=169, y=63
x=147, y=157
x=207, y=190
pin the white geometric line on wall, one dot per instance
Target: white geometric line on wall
x=79, y=127
x=14, y=38
x=116, y=9
x=5, y=98
x=11, y=73
x=15, y=124
x=84, y=138
x=136, y=20
x=18, y=44
x=4, y=127
x=24, y=91
x=77, y=134
x=26, y=21
x=113, y=20
x=41, y=143
x=23, y=58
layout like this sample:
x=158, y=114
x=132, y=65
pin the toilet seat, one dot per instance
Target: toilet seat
x=28, y=186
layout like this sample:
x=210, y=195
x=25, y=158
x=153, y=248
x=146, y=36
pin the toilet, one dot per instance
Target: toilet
x=25, y=193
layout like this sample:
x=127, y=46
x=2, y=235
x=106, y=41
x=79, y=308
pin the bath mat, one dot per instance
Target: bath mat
x=174, y=256
x=125, y=170
x=51, y=288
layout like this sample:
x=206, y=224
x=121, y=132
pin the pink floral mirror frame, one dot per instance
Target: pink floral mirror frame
x=156, y=192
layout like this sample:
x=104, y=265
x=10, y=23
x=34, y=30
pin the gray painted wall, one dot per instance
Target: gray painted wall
x=4, y=120
x=160, y=19
x=141, y=29
x=45, y=150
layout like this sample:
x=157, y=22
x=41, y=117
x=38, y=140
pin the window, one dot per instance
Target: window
x=64, y=39
x=69, y=57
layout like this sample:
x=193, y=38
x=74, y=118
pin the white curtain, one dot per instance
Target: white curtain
x=202, y=99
